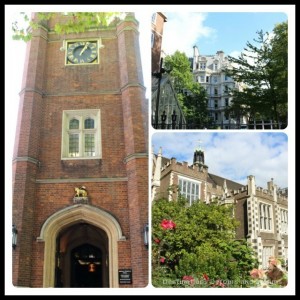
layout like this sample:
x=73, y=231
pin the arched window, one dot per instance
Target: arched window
x=74, y=124
x=88, y=123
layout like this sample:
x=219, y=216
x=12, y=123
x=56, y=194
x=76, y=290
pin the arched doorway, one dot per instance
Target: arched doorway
x=82, y=257
x=60, y=230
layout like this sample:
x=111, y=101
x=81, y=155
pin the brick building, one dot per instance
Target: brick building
x=166, y=112
x=157, y=29
x=80, y=164
x=262, y=213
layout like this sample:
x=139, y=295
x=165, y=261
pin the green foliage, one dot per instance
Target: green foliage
x=262, y=68
x=180, y=70
x=195, y=107
x=207, y=259
x=191, y=95
x=74, y=22
x=203, y=242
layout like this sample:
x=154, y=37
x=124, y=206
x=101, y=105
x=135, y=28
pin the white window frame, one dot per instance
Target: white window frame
x=153, y=18
x=284, y=220
x=226, y=89
x=286, y=253
x=191, y=197
x=81, y=115
x=267, y=252
x=216, y=104
x=152, y=39
x=266, y=218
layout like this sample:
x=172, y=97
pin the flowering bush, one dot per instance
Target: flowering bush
x=257, y=274
x=194, y=246
x=189, y=279
x=274, y=276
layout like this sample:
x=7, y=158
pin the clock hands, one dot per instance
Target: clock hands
x=84, y=48
x=82, y=52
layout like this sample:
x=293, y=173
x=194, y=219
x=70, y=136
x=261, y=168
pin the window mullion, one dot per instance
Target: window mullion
x=81, y=139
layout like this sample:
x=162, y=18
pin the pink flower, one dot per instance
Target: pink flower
x=273, y=261
x=219, y=283
x=167, y=224
x=157, y=241
x=189, y=278
x=257, y=274
x=162, y=260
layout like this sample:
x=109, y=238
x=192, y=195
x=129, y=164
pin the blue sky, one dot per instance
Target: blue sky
x=231, y=155
x=214, y=31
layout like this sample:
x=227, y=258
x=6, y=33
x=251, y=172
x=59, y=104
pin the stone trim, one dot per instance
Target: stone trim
x=70, y=216
x=69, y=180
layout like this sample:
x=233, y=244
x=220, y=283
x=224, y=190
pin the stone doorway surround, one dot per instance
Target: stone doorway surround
x=73, y=215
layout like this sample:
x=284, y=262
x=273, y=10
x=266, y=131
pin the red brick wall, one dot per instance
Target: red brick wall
x=135, y=145
x=115, y=86
x=157, y=30
x=26, y=150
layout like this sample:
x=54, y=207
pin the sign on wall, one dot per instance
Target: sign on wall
x=125, y=276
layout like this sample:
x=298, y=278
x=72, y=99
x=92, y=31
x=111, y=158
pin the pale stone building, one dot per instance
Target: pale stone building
x=208, y=70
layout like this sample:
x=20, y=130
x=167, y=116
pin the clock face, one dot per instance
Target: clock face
x=82, y=52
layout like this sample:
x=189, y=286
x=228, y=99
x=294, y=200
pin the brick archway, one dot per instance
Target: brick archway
x=73, y=215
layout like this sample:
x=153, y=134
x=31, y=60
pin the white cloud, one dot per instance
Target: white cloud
x=232, y=155
x=182, y=30
x=235, y=53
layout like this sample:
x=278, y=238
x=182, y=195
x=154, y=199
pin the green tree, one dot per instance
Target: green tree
x=190, y=94
x=262, y=69
x=180, y=70
x=198, y=240
x=75, y=22
x=280, y=68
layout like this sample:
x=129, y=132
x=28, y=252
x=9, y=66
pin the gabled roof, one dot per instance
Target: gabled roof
x=168, y=101
x=218, y=180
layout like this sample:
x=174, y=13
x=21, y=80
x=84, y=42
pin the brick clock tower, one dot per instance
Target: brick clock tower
x=80, y=166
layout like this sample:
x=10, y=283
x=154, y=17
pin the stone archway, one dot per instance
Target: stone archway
x=73, y=215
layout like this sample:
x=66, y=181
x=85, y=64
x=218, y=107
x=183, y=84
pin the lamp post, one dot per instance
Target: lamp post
x=146, y=235
x=14, y=236
x=163, y=120
x=158, y=75
x=174, y=117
